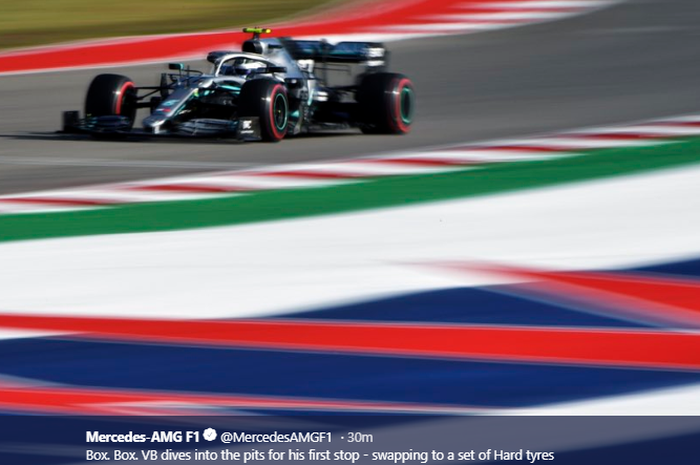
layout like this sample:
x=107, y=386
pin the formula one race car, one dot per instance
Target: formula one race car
x=274, y=88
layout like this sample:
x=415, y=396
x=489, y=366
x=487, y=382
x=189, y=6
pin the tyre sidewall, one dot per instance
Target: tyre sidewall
x=262, y=98
x=111, y=94
x=387, y=103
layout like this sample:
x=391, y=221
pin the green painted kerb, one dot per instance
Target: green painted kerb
x=386, y=192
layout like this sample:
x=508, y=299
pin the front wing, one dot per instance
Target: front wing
x=246, y=129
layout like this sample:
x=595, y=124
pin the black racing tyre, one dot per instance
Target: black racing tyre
x=267, y=100
x=111, y=94
x=387, y=103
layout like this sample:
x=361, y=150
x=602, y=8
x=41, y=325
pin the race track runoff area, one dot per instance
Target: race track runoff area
x=546, y=288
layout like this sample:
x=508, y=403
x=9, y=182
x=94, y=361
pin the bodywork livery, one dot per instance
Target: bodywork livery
x=273, y=88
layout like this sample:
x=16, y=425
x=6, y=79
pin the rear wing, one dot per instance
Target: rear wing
x=367, y=53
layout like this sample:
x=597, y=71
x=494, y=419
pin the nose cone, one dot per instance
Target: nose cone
x=155, y=123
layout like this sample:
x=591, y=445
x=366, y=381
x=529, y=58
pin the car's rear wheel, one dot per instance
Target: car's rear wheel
x=387, y=103
x=267, y=100
x=111, y=94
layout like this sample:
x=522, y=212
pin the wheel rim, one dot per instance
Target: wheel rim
x=279, y=112
x=406, y=105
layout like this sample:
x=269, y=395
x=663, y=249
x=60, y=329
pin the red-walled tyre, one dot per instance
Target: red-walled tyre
x=266, y=99
x=387, y=103
x=111, y=94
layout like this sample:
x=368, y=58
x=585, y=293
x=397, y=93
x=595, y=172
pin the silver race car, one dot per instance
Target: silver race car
x=273, y=88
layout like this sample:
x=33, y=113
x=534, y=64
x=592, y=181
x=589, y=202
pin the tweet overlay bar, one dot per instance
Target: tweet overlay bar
x=338, y=439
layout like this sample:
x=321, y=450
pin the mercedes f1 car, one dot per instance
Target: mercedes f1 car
x=273, y=88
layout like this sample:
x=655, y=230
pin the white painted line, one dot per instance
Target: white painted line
x=574, y=143
x=680, y=119
x=367, y=37
x=351, y=169
x=268, y=180
x=22, y=208
x=237, y=182
x=108, y=195
x=539, y=4
x=389, y=169
x=446, y=27
x=645, y=130
x=488, y=156
x=6, y=334
x=505, y=16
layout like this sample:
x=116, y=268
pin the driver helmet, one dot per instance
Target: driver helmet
x=242, y=68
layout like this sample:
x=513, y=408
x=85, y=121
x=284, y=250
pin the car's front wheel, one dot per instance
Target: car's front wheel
x=267, y=100
x=111, y=94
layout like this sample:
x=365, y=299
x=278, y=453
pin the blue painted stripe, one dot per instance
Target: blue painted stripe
x=490, y=305
x=688, y=268
x=277, y=373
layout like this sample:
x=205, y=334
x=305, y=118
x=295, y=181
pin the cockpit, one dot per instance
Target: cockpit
x=241, y=66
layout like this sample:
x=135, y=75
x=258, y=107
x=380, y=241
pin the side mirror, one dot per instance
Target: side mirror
x=214, y=56
x=176, y=66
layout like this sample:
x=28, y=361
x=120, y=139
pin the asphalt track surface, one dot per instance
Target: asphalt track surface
x=635, y=60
